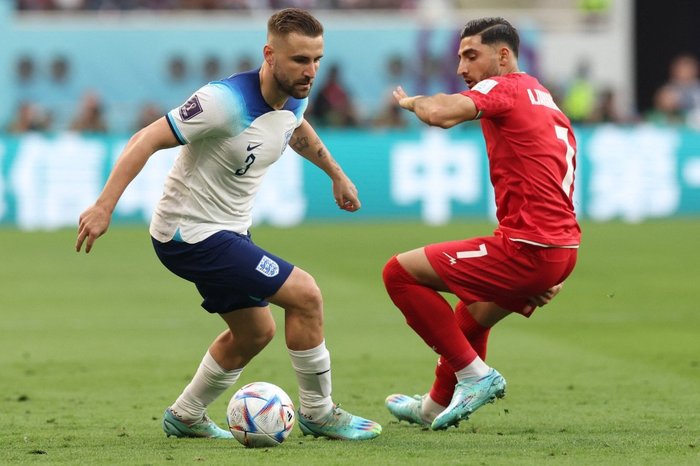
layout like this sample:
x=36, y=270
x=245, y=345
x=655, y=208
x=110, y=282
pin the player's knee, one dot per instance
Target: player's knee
x=394, y=275
x=309, y=295
x=388, y=272
x=261, y=337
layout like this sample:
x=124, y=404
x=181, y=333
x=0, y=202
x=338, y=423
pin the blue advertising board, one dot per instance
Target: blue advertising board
x=431, y=175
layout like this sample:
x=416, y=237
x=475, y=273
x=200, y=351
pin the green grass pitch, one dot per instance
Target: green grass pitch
x=93, y=348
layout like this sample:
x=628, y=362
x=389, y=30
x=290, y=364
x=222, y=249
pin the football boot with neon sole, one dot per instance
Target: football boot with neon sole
x=406, y=408
x=470, y=396
x=206, y=428
x=341, y=425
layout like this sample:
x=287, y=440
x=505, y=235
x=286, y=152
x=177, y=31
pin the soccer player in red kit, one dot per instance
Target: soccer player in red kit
x=531, y=151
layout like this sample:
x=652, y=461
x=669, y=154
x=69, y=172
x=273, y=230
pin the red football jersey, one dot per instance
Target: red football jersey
x=532, y=157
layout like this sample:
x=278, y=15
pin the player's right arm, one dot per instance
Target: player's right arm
x=95, y=220
x=442, y=110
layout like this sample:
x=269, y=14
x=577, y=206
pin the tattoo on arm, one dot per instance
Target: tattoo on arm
x=300, y=143
x=321, y=152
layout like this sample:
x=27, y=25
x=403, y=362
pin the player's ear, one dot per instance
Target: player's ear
x=268, y=52
x=504, y=54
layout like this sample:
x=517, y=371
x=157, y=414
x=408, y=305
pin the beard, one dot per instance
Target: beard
x=290, y=88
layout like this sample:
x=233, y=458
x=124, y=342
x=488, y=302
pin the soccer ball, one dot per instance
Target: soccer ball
x=260, y=414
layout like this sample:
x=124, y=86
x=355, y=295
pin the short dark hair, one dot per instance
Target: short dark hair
x=493, y=30
x=294, y=20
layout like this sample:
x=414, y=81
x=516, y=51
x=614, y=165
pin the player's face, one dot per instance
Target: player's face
x=295, y=64
x=477, y=61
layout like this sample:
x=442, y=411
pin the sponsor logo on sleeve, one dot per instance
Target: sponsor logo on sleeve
x=191, y=109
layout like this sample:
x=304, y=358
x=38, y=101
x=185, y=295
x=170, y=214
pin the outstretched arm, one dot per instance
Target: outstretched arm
x=443, y=110
x=95, y=220
x=306, y=143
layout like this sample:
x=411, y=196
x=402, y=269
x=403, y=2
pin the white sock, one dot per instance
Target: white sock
x=313, y=368
x=475, y=370
x=429, y=409
x=210, y=381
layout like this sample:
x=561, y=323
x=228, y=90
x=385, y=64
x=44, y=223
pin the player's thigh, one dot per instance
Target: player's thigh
x=416, y=263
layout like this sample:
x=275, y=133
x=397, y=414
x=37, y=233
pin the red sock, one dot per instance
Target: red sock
x=445, y=380
x=428, y=314
x=477, y=334
x=444, y=384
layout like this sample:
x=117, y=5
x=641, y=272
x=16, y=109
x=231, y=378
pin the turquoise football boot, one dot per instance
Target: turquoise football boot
x=406, y=408
x=470, y=396
x=341, y=425
x=206, y=428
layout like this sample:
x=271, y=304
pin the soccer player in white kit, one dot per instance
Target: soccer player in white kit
x=231, y=132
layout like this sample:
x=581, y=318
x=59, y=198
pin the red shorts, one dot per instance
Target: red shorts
x=496, y=269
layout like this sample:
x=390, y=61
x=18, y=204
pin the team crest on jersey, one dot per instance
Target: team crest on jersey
x=268, y=267
x=191, y=108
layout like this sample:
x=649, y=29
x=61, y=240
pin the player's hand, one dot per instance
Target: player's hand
x=93, y=224
x=345, y=194
x=403, y=99
x=547, y=296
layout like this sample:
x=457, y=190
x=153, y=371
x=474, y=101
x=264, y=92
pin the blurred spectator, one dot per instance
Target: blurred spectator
x=595, y=11
x=666, y=107
x=211, y=69
x=389, y=114
x=579, y=98
x=25, y=70
x=684, y=81
x=59, y=70
x=90, y=117
x=26, y=76
x=149, y=113
x=59, y=90
x=606, y=109
x=30, y=117
x=179, y=82
x=177, y=69
x=244, y=63
x=333, y=105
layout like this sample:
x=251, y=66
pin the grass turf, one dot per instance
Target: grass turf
x=93, y=348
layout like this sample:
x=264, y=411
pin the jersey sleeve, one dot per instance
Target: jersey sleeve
x=492, y=97
x=212, y=111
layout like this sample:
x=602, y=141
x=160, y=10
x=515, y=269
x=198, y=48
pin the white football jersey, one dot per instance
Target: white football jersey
x=230, y=137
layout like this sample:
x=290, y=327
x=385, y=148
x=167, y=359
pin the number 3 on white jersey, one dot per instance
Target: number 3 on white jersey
x=563, y=134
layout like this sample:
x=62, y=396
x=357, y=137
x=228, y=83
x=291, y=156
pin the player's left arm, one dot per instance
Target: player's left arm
x=308, y=144
x=443, y=110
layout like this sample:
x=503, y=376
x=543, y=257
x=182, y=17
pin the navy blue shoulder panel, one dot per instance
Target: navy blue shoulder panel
x=247, y=85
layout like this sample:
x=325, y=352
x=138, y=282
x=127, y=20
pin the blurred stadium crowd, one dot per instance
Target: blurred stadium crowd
x=586, y=101
x=677, y=102
x=211, y=4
